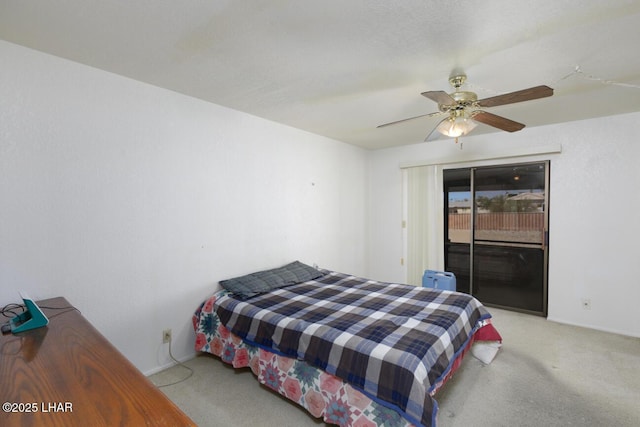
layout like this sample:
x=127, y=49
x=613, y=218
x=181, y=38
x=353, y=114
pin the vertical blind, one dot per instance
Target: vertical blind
x=424, y=221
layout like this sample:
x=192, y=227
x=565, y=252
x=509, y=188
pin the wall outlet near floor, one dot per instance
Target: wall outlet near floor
x=586, y=303
x=166, y=336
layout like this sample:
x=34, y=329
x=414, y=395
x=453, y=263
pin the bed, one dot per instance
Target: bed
x=353, y=351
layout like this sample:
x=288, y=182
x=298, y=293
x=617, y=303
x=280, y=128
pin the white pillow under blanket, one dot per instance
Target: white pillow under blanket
x=485, y=351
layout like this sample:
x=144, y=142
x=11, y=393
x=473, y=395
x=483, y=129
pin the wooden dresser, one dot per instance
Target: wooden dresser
x=68, y=374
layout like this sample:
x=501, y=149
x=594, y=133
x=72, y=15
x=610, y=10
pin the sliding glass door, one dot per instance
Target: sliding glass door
x=496, y=233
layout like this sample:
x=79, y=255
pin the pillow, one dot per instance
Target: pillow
x=264, y=281
x=297, y=272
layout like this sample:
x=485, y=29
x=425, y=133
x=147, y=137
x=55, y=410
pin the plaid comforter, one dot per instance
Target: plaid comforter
x=394, y=342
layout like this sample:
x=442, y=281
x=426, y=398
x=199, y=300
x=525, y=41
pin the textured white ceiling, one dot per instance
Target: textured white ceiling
x=339, y=68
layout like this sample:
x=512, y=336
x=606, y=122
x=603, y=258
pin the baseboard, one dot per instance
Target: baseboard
x=596, y=328
x=169, y=364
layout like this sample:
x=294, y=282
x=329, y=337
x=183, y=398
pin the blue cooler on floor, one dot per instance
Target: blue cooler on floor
x=442, y=280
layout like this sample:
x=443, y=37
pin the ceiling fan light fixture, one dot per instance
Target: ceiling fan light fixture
x=458, y=124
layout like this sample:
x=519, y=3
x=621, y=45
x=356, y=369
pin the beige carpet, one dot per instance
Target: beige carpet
x=546, y=374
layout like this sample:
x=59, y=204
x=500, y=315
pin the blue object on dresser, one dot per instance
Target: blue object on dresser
x=442, y=280
x=31, y=318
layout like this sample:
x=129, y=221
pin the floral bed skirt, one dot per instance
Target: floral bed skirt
x=321, y=394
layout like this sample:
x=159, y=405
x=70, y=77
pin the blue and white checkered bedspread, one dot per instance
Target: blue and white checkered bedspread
x=394, y=342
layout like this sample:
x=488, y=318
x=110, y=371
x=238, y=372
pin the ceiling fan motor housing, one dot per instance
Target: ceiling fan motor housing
x=462, y=100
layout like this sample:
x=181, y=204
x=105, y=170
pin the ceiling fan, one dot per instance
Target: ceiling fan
x=462, y=109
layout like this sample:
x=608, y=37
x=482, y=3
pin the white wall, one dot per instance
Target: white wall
x=594, y=205
x=133, y=201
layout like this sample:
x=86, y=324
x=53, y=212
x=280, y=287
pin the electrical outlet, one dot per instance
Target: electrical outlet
x=586, y=303
x=166, y=336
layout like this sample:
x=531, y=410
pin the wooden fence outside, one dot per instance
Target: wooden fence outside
x=517, y=221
